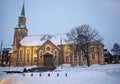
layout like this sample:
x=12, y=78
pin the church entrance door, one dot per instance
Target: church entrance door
x=48, y=59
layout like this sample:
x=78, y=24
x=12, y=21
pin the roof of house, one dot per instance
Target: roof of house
x=11, y=51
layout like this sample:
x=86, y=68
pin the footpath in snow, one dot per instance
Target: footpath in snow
x=100, y=74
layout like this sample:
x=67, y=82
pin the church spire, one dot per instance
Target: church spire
x=22, y=19
x=23, y=10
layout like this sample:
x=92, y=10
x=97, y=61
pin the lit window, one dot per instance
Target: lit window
x=35, y=51
x=67, y=58
x=28, y=55
x=75, y=58
x=20, y=55
x=41, y=55
x=55, y=53
x=93, y=56
x=84, y=59
x=35, y=59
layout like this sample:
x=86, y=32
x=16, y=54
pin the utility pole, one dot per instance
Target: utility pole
x=98, y=55
x=1, y=50
x=61, y=52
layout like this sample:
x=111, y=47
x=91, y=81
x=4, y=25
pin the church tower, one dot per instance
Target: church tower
x=20, y=31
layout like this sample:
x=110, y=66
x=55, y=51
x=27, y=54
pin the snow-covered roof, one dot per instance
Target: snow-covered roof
x=37, y=40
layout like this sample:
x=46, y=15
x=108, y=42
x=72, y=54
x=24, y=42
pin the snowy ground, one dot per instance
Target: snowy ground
x=100, y=74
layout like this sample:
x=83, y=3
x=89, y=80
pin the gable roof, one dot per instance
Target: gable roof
x=37, y=40
x=50, y=43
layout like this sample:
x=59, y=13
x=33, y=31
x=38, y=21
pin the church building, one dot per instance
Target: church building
x=47, y=50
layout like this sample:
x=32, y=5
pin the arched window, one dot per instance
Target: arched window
x=35, y=51
x=35, y=59
x=75, y=58
x=55, y=55
x=20, y=55
x=83, y=58
x=40, y=54
x=67, y=58
x=93, y=55
x=28, y=55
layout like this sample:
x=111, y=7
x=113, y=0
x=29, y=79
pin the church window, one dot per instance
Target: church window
x=67, y=58
x=55, y=52
x=35, y=59
x=41, y=55
x=48, y=48
x=35, y=51
x=75, y=58
x=55, y=55
x=28, y=55
x=18, y=29
x=20, y=55
x=93, y=56
x=84, y=59
x=100, y=54
x=4, y=54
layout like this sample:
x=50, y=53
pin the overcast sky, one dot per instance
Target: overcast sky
x=60, y=16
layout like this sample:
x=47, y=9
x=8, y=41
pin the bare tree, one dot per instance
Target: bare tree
x=82, y=36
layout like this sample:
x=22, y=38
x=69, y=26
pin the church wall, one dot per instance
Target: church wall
x=68, y=55
x=13, y=59
x=98, y=57
x=52, y=49
x=40, y=57
x=32, y=54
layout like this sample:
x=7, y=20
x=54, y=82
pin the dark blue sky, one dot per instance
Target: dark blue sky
x=60, y=16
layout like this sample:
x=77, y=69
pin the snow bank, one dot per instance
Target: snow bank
x=84, y=77
x=15, y=68
x=100, y=74
x=12, y=80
